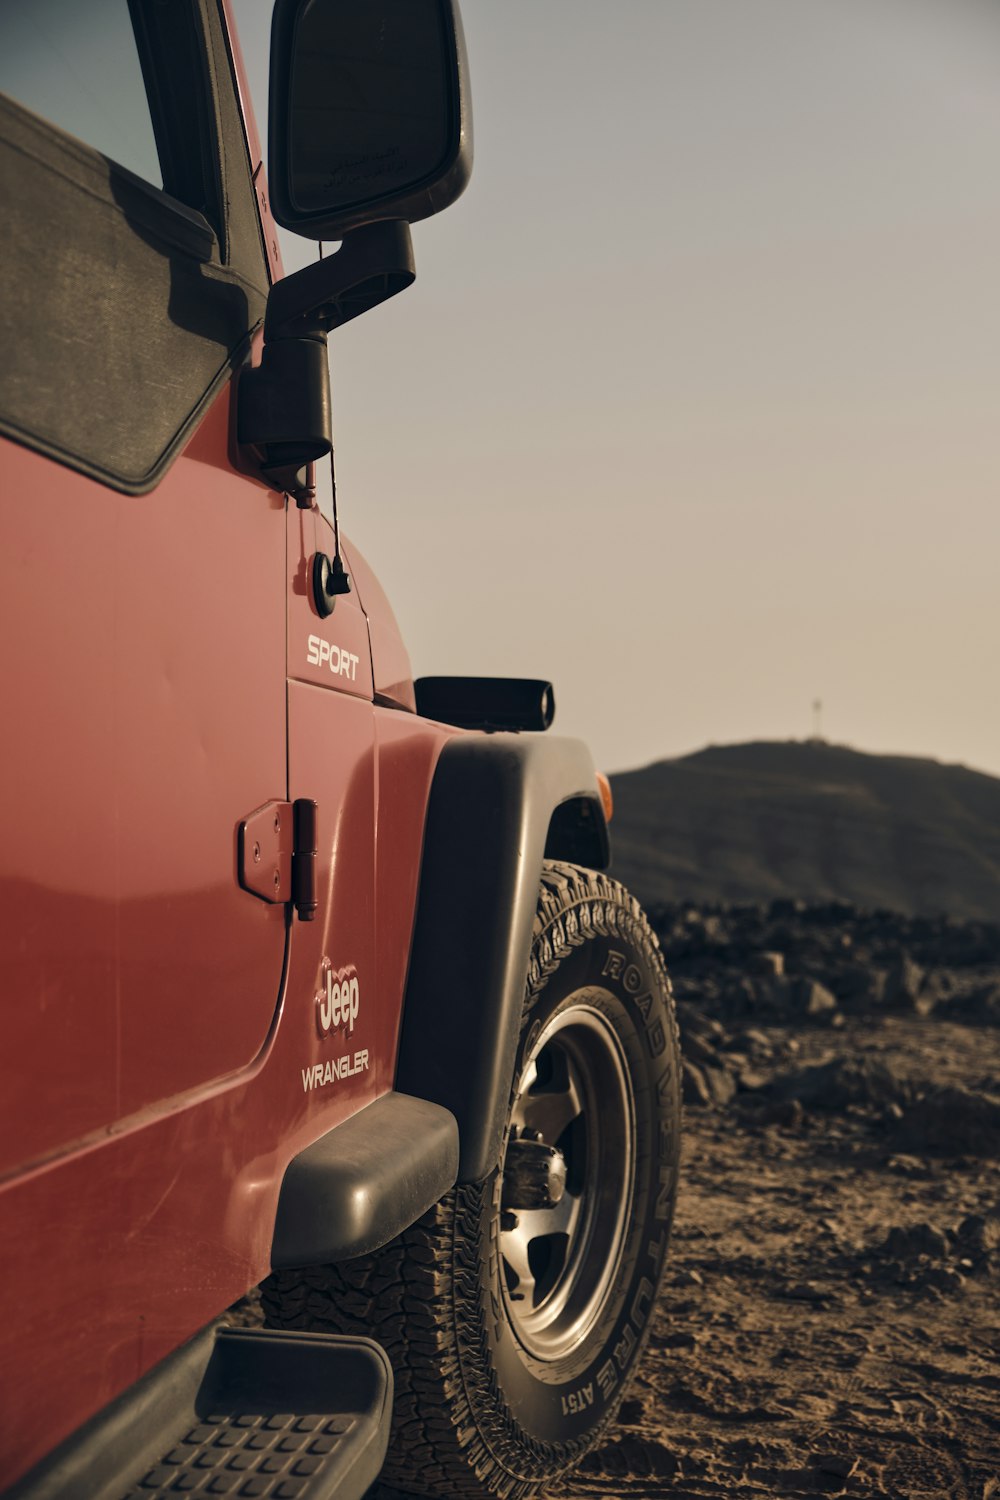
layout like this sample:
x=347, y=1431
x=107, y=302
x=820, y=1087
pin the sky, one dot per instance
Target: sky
x=692, y=408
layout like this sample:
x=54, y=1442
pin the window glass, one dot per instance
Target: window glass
x=74, y=62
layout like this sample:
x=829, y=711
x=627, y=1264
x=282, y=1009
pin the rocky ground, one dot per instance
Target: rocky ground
x=830, y=1321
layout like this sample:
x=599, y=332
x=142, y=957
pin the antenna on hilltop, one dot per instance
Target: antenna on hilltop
x=817, y=734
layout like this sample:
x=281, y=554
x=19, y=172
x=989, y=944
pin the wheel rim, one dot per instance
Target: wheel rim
x=559, y=1263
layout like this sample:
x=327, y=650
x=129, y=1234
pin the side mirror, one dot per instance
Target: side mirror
x=369, y=113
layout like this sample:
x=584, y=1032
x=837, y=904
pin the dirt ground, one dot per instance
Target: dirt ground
x=829, y=1324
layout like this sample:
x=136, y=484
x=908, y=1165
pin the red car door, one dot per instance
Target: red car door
x=142, y=581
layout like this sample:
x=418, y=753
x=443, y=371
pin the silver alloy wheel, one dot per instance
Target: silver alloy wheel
x=560, y=1262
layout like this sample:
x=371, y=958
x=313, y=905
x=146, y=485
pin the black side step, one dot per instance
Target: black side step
x=239, y=1412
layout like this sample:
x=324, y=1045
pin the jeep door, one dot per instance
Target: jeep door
x=142, y=580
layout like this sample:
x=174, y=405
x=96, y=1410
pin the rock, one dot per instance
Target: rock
x=687, y=991
x=875, y=988
x=694, y=1022
x=704, y=1084
x=750, y=1080
x=688, y=1278
x=985, y=1001
x=679, y=1341
x=785, y=937
x=697, y=1049
x=943, y=1279
x=937, y=988
x=804, y=996
x=770, y=965
x=695, y=935
x=721, y=1086
x=903, y=982
x=907, y=1166
x=743, y=995
x=757, y=1042
x=842, y=1081
x=978, y=1236
x=860, y=985
x=840, y=1465
x=793, y=996
x=762, y=1110
x=942, y=982
x=916, y=1240
x=694, y=1088
x=805, y=1291
x=781, y=909
x=952, y=1121
x=631, y=1412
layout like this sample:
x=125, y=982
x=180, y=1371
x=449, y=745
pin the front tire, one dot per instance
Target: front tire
x=515, y=1311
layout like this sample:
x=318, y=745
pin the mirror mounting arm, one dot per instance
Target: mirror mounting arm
x=283, y=404
x=372, y=265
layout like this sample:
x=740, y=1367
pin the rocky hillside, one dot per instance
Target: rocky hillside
x=748, y=823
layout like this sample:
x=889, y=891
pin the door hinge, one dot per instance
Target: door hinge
x=277, y=855
x=304, y=859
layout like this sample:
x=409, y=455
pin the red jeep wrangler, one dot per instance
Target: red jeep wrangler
x=310, y=980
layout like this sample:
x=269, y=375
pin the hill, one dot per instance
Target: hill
x=749, y=823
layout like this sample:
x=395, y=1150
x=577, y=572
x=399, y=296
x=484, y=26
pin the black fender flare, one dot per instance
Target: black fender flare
x=499, y=805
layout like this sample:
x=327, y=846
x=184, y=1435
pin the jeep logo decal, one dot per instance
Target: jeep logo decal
x=338, y=1001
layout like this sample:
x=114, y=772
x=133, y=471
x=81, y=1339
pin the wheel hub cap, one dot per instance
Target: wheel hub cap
x=534, y=1174
x=567, y=1181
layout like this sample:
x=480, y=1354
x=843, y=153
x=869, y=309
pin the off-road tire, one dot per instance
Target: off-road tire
x=497, y=1395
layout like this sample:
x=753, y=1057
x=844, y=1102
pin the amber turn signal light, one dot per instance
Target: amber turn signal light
x=608, y=802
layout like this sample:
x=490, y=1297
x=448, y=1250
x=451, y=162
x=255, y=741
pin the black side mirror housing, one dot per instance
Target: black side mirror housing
x=283, y=404
x=369, y=113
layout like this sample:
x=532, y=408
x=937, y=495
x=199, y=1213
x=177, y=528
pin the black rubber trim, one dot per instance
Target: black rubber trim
x=488, y=829
x=578, y=834
x=487, y=702
x=364, y=1182
x=224, y=1387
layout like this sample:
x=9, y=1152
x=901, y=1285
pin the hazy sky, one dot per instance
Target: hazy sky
x=693, y=407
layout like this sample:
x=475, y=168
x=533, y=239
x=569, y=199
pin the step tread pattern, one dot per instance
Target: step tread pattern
x=249, y=1456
